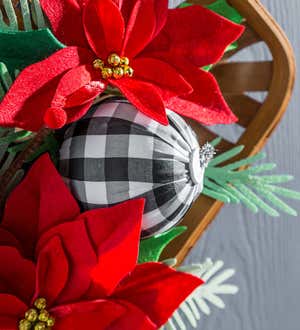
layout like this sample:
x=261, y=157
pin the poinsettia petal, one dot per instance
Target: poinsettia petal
x=71, y=89
x=52, y=270
x=140, y=27
x=144, y=96
x=112, y=231
x=170, y=82
x=78, y=112
x=11, y=310
x=74, y=94
x=81, y=258
x=32, y=92
x=157, y=289
x=206, y=104
x=8, y=239
x=65, y=17
x=104, y=27
x=17, y=275
x=43, y=201
x=87, y=315
x=101, y=314
x=133, y=318
x=195, y=34
x=161, y=11
x=85, y=94
x=93, y=244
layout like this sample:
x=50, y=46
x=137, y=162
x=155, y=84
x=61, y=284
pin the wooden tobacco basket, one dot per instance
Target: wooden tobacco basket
x=275, y=77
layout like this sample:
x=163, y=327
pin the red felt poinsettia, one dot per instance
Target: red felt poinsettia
x=151, y=54
x=83, y=266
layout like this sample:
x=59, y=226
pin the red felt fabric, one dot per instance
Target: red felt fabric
x=151, y=286
x=95, y=242
x=171, y=82
x=77, y=112
x=85, y=94
x=140, y=27
x=43, y=201
x=161, y=10
x=79, y=264
x=104, y=27
x=77, y=87
x=55, y=117
x=195, y=34
x=132, y=315
x=101, y=314
x=192, y=35
x=65, y=17
x=207, y=104
x=87, y=315
x=33, y=91
x=8, y=239
x=11, y=309
x=81, y=256
x=17, y=275
x=52, y=280
x=144, y=96
x=114, y=238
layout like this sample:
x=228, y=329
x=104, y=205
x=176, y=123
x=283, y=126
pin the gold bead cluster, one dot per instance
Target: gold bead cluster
x=115, y=67
x=37, y=318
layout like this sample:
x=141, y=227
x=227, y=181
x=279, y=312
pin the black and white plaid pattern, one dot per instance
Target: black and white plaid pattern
x=115, y=153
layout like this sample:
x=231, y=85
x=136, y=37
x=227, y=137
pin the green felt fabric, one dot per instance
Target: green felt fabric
x=222, y=7
x=151, y=248
x=20, y=49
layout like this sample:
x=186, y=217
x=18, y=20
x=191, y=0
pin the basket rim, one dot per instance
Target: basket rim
x=262, y=125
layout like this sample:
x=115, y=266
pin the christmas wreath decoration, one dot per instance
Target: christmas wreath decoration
x=91, y=98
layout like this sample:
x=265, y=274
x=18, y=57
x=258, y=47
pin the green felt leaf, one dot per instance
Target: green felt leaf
x=20, y=49
x=229, y=184
x=151, y=248
x=222, y=8
x=207, y=67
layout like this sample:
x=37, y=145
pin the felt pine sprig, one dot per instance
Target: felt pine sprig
x=6, y=80
x=8, y=135
x=258, y=192
x=6, y=159
x=28, y=13
x=215, y=277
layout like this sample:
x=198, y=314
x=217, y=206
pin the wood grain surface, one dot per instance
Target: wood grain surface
x=264, y=251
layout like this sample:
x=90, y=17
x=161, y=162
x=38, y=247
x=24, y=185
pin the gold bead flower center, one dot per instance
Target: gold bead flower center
x=115, y=67
x=37, y=318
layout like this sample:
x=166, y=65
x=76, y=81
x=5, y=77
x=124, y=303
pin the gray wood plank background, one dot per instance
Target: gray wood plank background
x=264, y=251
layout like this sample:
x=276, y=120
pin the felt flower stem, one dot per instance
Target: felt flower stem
x=237, y=183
